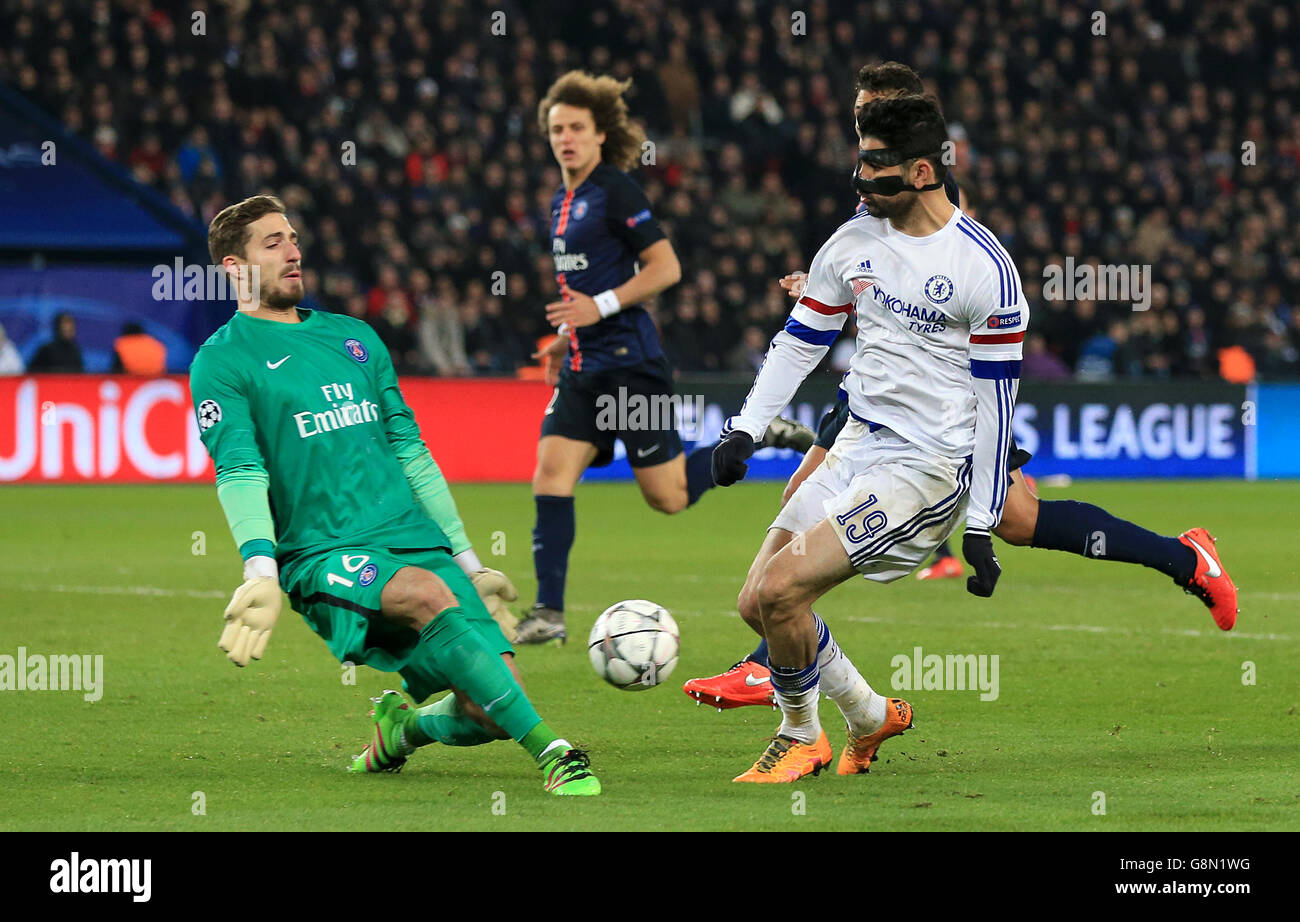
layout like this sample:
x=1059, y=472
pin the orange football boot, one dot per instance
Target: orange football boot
x=860, y=751
x=1211, y=583
x=743, y=684
x=943, y=568
x=788, y=760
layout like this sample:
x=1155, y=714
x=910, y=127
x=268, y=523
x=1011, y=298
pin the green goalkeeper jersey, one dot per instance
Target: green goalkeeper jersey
x=312, y=412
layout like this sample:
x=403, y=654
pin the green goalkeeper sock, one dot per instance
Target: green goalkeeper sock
x=543, y=745
x=459, y=653
x=444, y=722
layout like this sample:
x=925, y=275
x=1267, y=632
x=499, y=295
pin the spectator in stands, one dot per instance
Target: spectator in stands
x=1279, y=359
x=389, y=288
x=442, y=338
x=681, y=338
x=196, y=156
x=1039, y=364
x=135, y=352
x=1112, y=152
x=11, y=363
x=394, y=328
x=61, y=355
x=147, y=160
x=748, y=357
x=1196, y=348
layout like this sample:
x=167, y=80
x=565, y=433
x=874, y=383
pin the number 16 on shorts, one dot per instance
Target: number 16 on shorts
x=873, y=521
x=353, y=563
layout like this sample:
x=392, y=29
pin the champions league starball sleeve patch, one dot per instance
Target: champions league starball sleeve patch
x=209, y=414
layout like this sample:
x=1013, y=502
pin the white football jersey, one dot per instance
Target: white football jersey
x=940, y=320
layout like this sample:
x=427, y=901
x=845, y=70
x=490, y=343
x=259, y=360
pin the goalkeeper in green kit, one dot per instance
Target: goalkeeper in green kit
x=331, y=494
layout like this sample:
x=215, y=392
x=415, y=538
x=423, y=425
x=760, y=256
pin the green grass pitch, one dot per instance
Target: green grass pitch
x=1110, y=680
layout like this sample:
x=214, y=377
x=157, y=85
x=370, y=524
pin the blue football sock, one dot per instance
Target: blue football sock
x=1090, y=531
x=699, y=472
x=797, y=693
x=943, y=550
x=759, y=655
x=552, y=540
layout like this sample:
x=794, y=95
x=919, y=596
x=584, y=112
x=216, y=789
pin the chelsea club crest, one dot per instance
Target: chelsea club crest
x=939, y=288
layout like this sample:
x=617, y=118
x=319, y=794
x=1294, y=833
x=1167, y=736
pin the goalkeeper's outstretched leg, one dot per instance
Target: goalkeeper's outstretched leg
x=430, y=626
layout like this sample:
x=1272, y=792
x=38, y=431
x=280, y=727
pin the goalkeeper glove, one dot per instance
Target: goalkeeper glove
x=729, y=457
x=495, y=589
x=977, y=548
x=252, y=612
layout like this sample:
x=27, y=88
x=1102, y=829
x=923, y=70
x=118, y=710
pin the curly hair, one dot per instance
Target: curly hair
x=908, y=122
x=889, y=77
x=603, y=97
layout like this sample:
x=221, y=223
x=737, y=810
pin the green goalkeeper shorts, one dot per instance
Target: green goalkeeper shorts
x=338, y=594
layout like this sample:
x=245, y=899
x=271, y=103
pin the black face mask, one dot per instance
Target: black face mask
x=888, y=185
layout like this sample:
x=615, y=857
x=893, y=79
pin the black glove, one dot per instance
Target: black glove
x=729, y=458
x=978, y=551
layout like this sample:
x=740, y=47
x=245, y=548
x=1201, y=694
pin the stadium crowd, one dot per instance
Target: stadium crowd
x=403, y=134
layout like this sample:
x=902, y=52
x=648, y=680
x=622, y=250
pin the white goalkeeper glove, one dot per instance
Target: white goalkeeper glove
x=495, y=589
x=252, y=612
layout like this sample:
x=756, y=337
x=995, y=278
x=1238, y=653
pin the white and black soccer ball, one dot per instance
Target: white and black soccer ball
x=633, y=644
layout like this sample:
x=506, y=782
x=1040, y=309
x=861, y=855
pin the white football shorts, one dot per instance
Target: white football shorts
x=890, y=502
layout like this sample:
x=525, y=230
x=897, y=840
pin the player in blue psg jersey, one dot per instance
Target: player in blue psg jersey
x=610, y=257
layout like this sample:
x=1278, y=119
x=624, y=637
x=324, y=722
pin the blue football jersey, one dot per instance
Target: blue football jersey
x=597, y=232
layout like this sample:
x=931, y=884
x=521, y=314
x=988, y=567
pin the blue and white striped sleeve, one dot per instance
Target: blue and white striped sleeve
x=814, y=322
x=995, y=352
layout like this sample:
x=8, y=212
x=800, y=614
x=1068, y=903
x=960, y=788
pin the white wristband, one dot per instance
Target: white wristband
x=255, y=567
x=607, y=303
x=468, y=561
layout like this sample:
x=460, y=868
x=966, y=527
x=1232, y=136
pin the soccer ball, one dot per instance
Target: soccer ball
x=633, y=644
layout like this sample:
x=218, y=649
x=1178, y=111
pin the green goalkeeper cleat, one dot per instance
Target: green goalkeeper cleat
x=387, y=750
x=570, y=773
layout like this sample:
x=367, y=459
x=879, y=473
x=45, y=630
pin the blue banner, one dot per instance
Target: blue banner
x=57, y=193
x=1277, y=444
x=1136, y=429
x=101, y=300
x=1110, y=430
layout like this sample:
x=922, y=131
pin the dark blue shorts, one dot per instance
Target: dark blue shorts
x=633, y=404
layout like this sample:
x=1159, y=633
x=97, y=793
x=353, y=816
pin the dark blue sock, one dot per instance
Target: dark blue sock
x=699, y=472
x=944, y=550
x=1090, y=531
x=552, y=539
x=760, y=652
x=794, y=680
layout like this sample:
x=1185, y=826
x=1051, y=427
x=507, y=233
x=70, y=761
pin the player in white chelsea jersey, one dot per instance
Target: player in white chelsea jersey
x=940, y=317
x=1190, y=559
